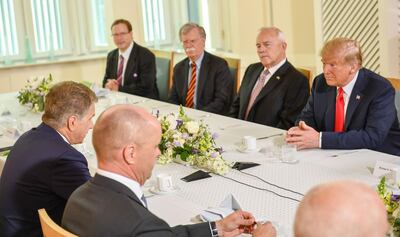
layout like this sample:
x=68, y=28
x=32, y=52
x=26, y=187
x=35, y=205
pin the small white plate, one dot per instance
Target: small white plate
x=240, y=149
x=155, y=190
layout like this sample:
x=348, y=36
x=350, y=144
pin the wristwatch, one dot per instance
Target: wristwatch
x=214, y=230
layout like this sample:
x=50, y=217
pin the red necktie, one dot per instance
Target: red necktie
x=191, y=88
x=257, y=89
x=339, y=115
x=120, y=69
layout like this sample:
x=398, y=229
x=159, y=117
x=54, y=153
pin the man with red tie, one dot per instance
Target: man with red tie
x=350, y=107
x=202, y=80
x=131, y=68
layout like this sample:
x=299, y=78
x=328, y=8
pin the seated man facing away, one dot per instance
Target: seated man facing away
x=338, y=209
x=341, y=208
x=43, y=169
x=126, y=140
x=201, y=81
x=350, y=107
x=272, y=92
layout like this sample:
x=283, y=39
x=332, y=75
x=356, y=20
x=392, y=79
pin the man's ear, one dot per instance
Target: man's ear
x=129, y=154
x=71, y=122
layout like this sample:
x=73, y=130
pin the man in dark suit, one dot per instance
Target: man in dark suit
x=43, y=169
x=202, y=80
x=126, y=140
x=131, y=68
x=272, y=91
x=350, y=107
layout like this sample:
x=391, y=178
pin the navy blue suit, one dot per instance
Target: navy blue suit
x=371, y=119
x=41, y=171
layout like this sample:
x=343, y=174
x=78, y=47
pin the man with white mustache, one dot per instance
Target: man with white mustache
x=202, y=80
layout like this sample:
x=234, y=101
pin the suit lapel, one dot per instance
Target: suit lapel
x=330, y=107
x=185, y=78
x=129, y=70
x=202, y=77
x=252, y=81
x=355, y=98
x=115, y=186
x=272, y=82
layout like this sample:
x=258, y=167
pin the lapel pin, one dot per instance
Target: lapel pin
x=134, y=75
x=358, y=97
x=278, y=77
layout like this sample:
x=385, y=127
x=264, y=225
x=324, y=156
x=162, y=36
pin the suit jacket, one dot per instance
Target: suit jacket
x=112, y=209
x=279, y=102
x=371, y=120
x=214, y=88
x=140, y=72
x=41, y=171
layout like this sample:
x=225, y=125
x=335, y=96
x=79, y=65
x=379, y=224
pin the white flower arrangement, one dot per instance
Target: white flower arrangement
x=34, y=92
x=392, y=204
x=189, y=141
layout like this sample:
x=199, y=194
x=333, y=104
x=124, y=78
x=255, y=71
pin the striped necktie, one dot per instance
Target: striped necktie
x=191, y=88
x=120, y=69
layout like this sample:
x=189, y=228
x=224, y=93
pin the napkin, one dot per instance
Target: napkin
x=100, y=92
x=226, y=207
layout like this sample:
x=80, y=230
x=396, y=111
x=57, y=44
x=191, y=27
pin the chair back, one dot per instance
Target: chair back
x=50, y=228
x=177, y=57
x=396, y=84
x=306, y=72
x=164, y=72
x=234, y=68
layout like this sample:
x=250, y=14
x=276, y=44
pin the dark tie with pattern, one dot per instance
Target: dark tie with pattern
x=191, y=88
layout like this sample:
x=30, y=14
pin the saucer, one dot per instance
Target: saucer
x=243, y=150
x=155, y=190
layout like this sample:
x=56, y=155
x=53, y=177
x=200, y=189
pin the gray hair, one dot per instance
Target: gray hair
x=190, y=26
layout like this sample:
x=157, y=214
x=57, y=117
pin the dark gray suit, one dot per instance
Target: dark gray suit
x=279, y=102
x=105, y=207
x=215, y=84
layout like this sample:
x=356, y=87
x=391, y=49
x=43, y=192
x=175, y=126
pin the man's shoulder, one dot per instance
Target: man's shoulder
x=214, y=58
x=141, y=50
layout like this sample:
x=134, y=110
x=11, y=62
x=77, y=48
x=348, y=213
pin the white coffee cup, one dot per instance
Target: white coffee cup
x=164, y=182
x=249, y=143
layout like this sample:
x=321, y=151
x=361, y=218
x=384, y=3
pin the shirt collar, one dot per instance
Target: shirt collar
x=127, y=51
x=349, y=87
x=198, y=61
x=275, y=68
x=130, y=183
x=63, y=137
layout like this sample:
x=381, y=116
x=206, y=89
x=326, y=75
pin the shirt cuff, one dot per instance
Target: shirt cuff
x=320, y=139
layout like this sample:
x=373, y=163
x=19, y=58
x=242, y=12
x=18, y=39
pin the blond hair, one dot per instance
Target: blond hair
x=348, y=48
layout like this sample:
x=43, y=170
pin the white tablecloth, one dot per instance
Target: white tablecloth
x=264, y=200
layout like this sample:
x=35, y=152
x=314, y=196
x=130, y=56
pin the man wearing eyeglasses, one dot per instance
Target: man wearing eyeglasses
x=131, y=68
x=202, y=80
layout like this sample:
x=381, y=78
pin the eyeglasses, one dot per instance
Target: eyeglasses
x=120, y=34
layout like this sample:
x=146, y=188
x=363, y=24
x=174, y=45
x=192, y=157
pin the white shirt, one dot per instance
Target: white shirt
x=130, y=183
x=65, y=139
x=126, y=55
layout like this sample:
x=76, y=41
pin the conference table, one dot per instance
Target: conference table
x=271, y=191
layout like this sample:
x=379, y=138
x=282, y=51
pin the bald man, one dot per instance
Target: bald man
x=344, y=208
x=126, y=140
